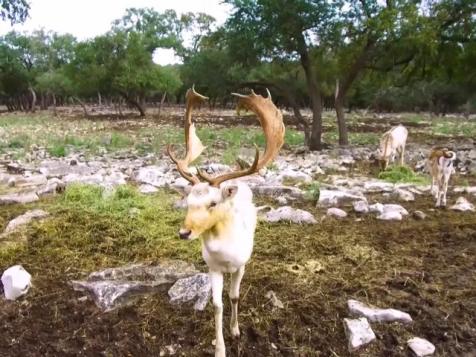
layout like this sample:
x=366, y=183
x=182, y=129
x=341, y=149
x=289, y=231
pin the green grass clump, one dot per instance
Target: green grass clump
x=58, y=150
x=402, y=174
x=312, y=191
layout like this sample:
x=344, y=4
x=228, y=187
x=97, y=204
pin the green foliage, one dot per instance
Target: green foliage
x=402, y=174
x=58, y=150
x=14, y=10
x=312, y=191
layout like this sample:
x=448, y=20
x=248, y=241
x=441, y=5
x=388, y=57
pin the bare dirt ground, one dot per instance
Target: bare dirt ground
x=426, y=268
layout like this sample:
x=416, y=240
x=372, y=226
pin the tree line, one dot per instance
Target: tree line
x=392, y=55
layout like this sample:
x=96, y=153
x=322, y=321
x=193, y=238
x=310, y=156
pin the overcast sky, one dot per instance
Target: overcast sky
x=88, y=18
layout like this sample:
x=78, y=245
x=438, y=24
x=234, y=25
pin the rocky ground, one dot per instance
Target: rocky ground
x=331, y=230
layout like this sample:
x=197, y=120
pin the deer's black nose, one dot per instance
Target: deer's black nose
x=184, y=234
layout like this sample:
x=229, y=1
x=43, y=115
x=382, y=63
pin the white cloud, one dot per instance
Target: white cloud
x=88, y=18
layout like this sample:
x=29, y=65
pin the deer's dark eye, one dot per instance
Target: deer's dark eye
x=212, y=204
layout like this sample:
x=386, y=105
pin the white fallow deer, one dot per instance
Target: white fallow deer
x=223, y=215
x=440, y=163
x=392, y=142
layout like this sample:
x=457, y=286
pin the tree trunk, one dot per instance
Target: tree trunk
x=161, y=103
x=135, y=103
x=315, y=96
x=339, y=106
x=342, y=89
x=33, y=99
x=53, y=96
x=81, y=103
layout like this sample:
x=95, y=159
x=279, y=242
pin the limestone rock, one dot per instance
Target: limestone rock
x=358, y=332
x=462, y=205
x=419, y=215
x=16, y=282
x=421, y=347
x=336, y=212
x=404, y=195
x=361, y=206
x=338, y=197
x=197, y=287
x=377, y=315
x=24, y=219
x=289, y=214
x=21, y=198
x=114, y=287
x=273, y=299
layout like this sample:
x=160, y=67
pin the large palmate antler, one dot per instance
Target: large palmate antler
x=193, y=145
x=271, y=120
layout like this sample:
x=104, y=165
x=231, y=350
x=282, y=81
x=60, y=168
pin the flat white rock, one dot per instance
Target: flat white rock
x=377, y=315
x=390, y=216
x=24, y=219
x=16, y=282
x=358, y=332
x=336, y=212
x=289, y=214
x=421, y=347
x=361, y=207
x=462, y=205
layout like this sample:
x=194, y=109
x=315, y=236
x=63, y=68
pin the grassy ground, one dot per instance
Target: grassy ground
x=423, y=267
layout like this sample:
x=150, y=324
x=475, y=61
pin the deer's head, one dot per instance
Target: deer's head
x=210, y=202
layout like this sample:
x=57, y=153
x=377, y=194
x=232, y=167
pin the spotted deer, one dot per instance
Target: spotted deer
x=392, y=142
x=440, y=163
x=223, y=214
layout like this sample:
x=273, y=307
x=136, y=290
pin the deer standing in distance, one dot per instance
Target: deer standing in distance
x=393, y=142
x=223, y=215
x=440, y=164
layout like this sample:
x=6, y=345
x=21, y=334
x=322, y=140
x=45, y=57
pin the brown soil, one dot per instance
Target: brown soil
x=423, y=267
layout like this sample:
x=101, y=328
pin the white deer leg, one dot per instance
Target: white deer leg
x=402, y=155
x=445, y=188
x=216, y=279
x=439, y=195
x=234, y=297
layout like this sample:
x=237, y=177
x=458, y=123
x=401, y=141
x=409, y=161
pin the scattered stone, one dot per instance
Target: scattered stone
x=170, y=350
x=277, y=190
x=147, y=189
x=419, y=215
x=16, y=282
x=376, y=208
x=152, y=175
x=273, y=299
x=20, y=198
x=421, y=347
x=289, y=214
x=358, y=332
x=361, y=206
x=282, y=200
x=53, y=186
x=24, y=219
x=395, y=208
x=293, y=175
x=404, y=195
x=462, y=205
x=336, y=212
x=390, y=216
x=336, y=197
x=11, y=182
x=197, y=287
x=378, y=186
x=115, y=287
x=377, y=315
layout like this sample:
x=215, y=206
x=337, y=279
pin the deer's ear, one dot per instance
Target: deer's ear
x=229, y=191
